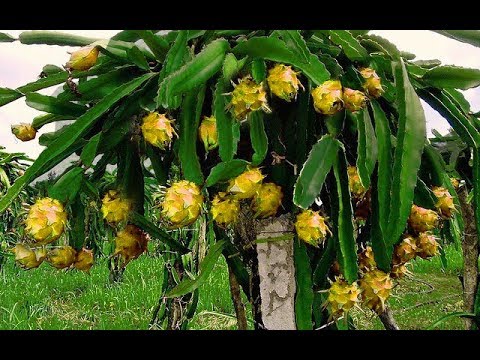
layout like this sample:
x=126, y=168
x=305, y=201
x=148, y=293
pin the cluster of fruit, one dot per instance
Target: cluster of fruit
x=130, y=240
x=374, y=286
x=183, y=200
x=46, y=222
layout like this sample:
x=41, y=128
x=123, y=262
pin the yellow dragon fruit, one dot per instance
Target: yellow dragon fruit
x=405, y=251
x=245, y=185
x=267, y=200
x=373, y=83
x=311, y=227
x=24, y=131
x=328, y=97
x=376, y=287
x=28, y=258
x=248, y=96
x=366, y=260
x=354, y=183
x=283, y=82
x=84, y=260
x=427, y=245
x=130, y=243
x=225, y=209
x=115, y=209
x=444, y=205
x=354, y=100
x=421, y=219
x=455, y=183
x=398, y=271
x=342, y=297
x=158, y=130
x=83, y=59
x=46, y=220
x=61, y=257
x=207, y=133
x=182, y=203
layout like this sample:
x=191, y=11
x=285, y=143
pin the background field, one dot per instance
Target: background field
x=43, y=298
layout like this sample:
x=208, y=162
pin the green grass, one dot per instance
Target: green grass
x=45, y=298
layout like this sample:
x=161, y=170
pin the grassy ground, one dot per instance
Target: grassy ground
x=46, y=299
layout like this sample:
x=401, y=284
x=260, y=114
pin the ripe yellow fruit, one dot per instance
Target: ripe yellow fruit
x=455, y=183
x=373, y=83
x=248, y=96
x=405, y=251
x=84, y=260
x=267, y=200
x=245, y=185
x=311, y=227
x=328, y=97
x=207, y=132
x=398, y=271
x=28, y=258
x=366, y=260
x=46, y=220
x=83, y=59
x=342, y=297
x=354, y=100
x=376, y=287
x=427, y=245
x=158, y=130
x=182, y=203
x=115, y=209
x=444, y=205
x=62, y=257
x=225, y=209
x=354, y=183
x=130, y=243
x=283, y=82
x=24, y=131
x=421, y=219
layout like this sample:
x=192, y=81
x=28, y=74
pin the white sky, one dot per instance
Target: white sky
x=20, y=64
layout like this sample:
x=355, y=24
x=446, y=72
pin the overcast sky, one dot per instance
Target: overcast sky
x=20, y=64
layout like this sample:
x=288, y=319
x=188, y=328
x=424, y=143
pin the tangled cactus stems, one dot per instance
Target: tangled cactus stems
x=84, y=260
x=354, y=100
x=225, y=209
x=83, y=59
x=366, y=260
x=444, y=205
x=354, y=183
x=130, y=243
x=328, y=97
x=62, y=257
x=182, y=203
x=373, y=83
x=311, y=227
x=207, y=132
x=342, y=297
x=248, y=96
x=115, y=208
x=245, y=185
x=427, y=245
x=422, y=220
x=405, y=251
x=283, y=82
x=28, y=258
x=376, y=287
x=158, y=130
x=267, y=200
x=24, y=131
x=46, y=220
